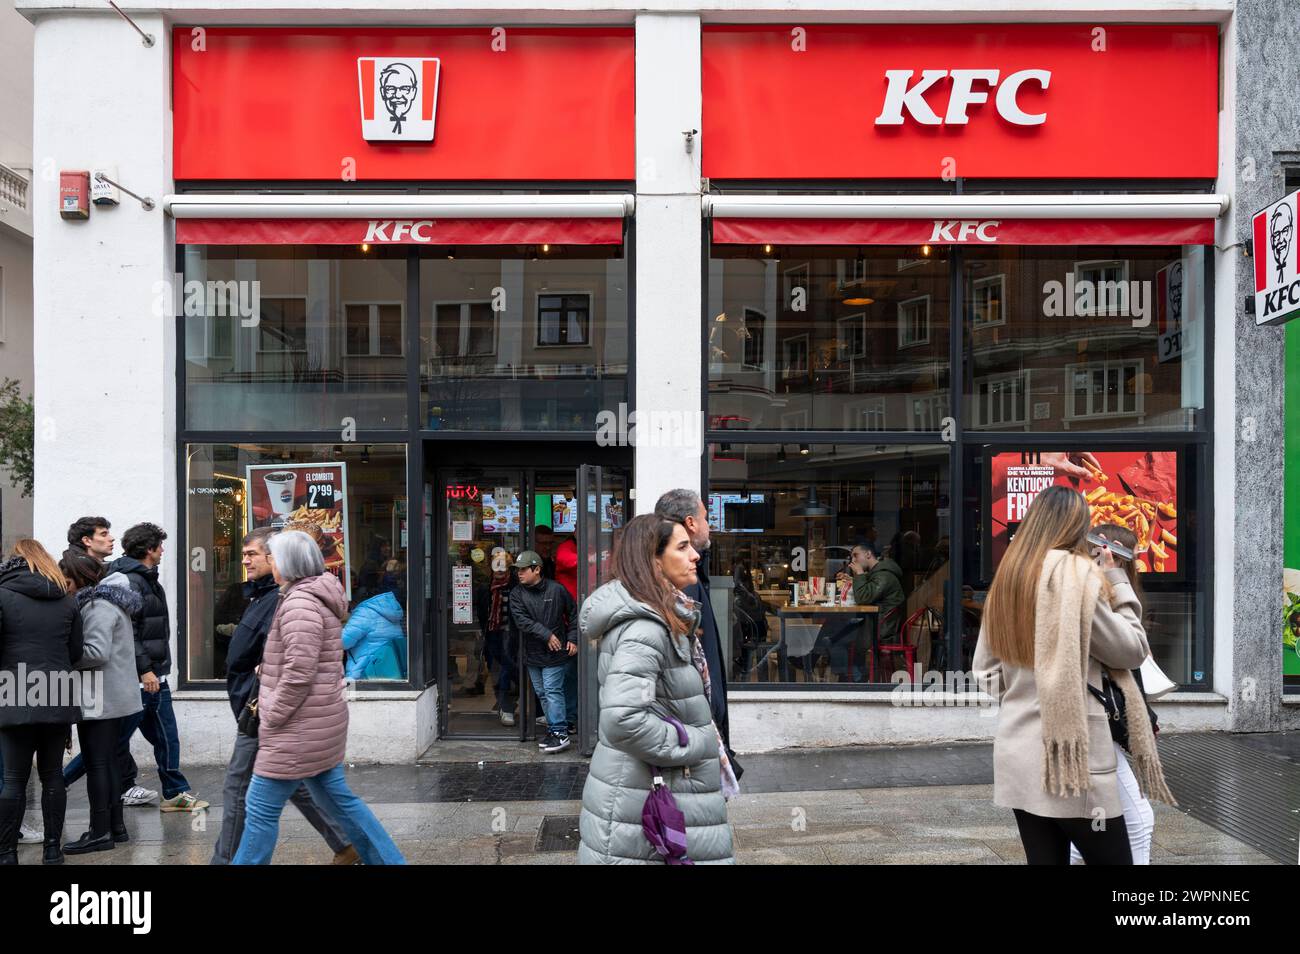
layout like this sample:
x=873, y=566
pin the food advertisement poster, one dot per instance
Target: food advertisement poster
x=1137, y=490
x=318, y=493
x=499, y=514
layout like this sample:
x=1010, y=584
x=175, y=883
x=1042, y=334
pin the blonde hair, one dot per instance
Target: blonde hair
x=40, y=562
x=1058, y=519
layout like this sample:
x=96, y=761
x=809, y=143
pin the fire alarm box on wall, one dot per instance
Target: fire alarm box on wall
x=74, y=194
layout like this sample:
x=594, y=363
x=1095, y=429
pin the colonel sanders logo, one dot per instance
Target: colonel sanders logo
x=398, y=98
x=1281, y=227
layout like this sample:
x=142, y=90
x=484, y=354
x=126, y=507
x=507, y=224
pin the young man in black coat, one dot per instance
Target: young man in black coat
x=547, y=620
x=245, y=655
x=143, y=545
x=685, y=507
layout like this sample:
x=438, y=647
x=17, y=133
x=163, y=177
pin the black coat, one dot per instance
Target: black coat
x=713, y=656
x=153, y=626
x=249, y=639
x=40, y=630
x=540, y=612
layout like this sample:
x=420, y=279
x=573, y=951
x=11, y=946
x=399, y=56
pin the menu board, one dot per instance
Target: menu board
x=499, y=517
x=316, y=493
x=1133, y=489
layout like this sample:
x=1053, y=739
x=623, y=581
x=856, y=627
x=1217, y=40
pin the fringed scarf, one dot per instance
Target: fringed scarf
x=1067, y=598
x=498, y=592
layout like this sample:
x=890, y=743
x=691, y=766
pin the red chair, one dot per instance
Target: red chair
x=908, y=647
x=878, y=648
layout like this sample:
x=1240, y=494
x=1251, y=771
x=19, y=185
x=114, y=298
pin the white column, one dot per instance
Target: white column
x=105, y=356
x=668, y=248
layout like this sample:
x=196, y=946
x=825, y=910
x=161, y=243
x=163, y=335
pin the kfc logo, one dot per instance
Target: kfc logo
x=963, y=230
x=399, y=97
x=900, y=97
x=1277, y=272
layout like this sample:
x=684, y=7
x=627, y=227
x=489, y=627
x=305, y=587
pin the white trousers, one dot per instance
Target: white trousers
x=1139, y=818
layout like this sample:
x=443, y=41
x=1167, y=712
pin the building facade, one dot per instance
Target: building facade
x=447, y=284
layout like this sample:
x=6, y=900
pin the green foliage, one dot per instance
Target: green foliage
x=17, y=435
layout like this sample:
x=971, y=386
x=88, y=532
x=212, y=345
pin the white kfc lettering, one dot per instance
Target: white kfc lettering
x=899, y=96
x=400, y=229
x=418, y=228
x=965, y=229
x=375, y=231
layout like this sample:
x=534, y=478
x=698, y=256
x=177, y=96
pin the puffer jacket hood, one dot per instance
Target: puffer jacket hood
x=116, y=589
x=16, y=577
x=325, y=588
x=887, y=565
x=645, y=674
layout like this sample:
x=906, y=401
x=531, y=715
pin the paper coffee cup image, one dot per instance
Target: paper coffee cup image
x=280, y=485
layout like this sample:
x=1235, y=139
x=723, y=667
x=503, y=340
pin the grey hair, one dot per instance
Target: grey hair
x=679, y=504
x=296, y=555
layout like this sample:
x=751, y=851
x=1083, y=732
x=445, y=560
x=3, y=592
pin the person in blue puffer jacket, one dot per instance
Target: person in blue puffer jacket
x=374, y=637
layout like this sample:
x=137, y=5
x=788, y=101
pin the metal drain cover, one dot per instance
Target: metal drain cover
x=558, y=833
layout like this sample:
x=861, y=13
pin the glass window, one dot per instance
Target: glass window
x=517, y=338
x=355, y=494
x=1149, y=491
x=1085, y=338
x=791, y=515
x=829, y=338
x=293, y=337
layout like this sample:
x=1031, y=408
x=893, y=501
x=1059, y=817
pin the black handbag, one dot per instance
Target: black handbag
x=1112, y=701
x=248, y=717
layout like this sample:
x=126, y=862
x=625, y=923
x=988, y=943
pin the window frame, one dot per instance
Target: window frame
x=987, y=281
x=903, y=324
x=1105, y=365
x=586, y=331
x=373, y=335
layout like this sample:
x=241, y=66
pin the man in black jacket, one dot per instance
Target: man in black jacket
x=245, y=655
x=685, y=507
x=547, y=620
x=143, y=545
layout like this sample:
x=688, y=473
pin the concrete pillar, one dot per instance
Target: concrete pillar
x=668, y=402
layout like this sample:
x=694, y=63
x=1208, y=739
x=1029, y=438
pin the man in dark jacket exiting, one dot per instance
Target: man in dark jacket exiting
x=143, y=545
x=246, y=645
x=547, y=620
x=685, y=507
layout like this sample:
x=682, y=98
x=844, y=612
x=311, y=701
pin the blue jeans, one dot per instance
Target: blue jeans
x=557, y=690
x=265, y=802
x=157, y=723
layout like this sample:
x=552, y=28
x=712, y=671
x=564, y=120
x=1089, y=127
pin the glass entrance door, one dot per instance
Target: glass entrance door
x=483, y=528
x=602, y=492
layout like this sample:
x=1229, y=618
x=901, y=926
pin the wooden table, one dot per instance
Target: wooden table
x=811, y=611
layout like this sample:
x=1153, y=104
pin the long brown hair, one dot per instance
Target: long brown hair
x=40, y=562
x=1057, y=520
x=634, y=563
x=81, y=569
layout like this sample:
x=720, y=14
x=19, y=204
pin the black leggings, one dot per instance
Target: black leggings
x=18, y=744
x=99, y=741
x=1047, y=840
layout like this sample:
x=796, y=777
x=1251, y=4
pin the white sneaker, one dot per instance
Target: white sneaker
x=507, y=718
x=27, y=835
x=139, y=796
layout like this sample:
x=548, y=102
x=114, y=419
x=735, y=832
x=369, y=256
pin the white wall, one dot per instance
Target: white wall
x=668, y=250
x=105, y=356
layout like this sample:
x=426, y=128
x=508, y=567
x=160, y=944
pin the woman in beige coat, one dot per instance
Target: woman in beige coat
x=303, y=717
x=1052, y=620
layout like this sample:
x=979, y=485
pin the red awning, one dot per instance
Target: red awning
x=572, y=231
x=776, y=231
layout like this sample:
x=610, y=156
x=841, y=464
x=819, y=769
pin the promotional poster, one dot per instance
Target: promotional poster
x=1133, y=489
x=318, y=493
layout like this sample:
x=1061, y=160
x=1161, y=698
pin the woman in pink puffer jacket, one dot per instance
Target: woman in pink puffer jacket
x=303, y=731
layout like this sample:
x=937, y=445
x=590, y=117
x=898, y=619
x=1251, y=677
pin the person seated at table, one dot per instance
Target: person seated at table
x=878, y=581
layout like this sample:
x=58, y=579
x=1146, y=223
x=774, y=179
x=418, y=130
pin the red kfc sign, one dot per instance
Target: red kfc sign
x=334, y=104
x=943, y=101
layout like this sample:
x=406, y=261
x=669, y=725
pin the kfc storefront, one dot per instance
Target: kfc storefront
x=450, y=291
x=949, y=266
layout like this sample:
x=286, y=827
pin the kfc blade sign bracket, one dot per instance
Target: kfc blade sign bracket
x=1277, y=265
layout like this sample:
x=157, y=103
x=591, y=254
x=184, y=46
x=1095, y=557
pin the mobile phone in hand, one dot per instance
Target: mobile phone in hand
x=1121, y=551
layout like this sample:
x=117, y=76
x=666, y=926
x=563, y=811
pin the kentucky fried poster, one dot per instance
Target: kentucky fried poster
x=1137, y=490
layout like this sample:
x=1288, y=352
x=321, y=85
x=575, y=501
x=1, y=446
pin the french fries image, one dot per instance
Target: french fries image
x=1168, y=537
x=1141, y=566
x=1167, y=510
x=1158, y=551
x=1093, y=495
x=1160, y=566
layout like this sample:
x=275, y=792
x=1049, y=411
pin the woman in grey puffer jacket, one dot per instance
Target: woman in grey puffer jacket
x=647, y=667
